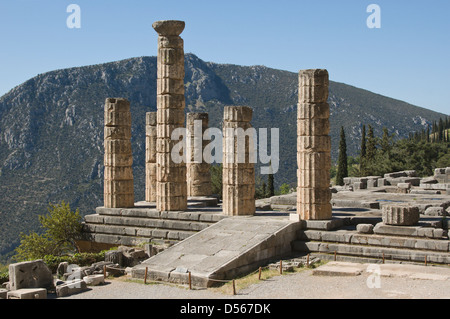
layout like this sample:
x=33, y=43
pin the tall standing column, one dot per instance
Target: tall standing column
x=238, y=176
x=171, y=188
x=313, y=146
x=118, y=160
x=150, y=157
x=198, y=171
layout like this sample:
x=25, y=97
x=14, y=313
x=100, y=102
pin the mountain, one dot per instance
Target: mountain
x=51, y=127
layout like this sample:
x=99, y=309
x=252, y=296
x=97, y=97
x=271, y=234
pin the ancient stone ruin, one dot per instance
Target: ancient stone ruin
x=238, y=177
x=198, y=170
x=118, y=183
x=367, y=219
x=171, y=187
x=313, y=146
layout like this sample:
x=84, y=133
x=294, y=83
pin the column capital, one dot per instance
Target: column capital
x=169, y=27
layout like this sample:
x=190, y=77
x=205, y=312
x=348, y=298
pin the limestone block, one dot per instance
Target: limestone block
x=119, y=200
x=30, y=274
x=239, y=176
x=401, y=215
x=71, y=288
x=171, y=116
x=308, y=161
x=364, y=228
x=168, y=189
x=168, y=174
x=172, y=101
x=116, y=160
x=314, y=143
x=113, y=118
x=435, y=211
x=117, y=105
x=118, y=173
x=314, y=211
x=237, y=114
x=118, y=146
x=313, y=77
x=117, y=132
x=118, y=186
x=164, y=203
x=27, y=293
x=314, y=195
x=313, y=178
x=94, y=280
x=313, y=94
x=169, y=86
x=313, y=127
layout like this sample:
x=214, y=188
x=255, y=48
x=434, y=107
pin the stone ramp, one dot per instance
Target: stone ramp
x=223, y=251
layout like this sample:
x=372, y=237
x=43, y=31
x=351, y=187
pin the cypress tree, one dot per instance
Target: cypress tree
x=342, y=170
x=362, y=159
x=370, y=151
x=270, y=186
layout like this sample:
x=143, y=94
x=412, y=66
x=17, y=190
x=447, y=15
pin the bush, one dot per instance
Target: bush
x=62, y=228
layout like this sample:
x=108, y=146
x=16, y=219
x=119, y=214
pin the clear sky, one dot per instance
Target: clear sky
x=408, y=58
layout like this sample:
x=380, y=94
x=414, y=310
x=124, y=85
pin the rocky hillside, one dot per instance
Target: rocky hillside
x=51, y=127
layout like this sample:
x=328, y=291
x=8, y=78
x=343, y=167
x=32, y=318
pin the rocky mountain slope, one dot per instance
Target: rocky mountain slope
x=51, y=127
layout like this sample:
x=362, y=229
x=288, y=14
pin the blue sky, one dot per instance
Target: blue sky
x=407, y=58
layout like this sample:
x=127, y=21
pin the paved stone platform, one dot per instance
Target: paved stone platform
x=337, y=268
x=225, y=250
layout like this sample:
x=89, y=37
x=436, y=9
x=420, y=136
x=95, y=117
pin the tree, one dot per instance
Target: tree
x=270, y=186
x=216, y=179
x=342, y=170
x=362, y=156
x=62, y=228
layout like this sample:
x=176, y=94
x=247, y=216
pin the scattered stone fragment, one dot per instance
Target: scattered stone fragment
x=71, y=288
x=94, y=280
x=28, y=293
x=400, y=215
x=30, y=274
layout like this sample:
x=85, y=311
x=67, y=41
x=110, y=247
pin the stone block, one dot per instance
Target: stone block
x=71, y=288
x=27, y=293
x=401, y=215
x=435, y=211
x=359, y=185
x=313, y=111
x=313, y=127
x=364, y=228
x=94, y=280
x=30, y=274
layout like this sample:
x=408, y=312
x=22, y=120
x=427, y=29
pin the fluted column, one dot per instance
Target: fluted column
x=150, y=157
x=198, y=171
x=118, y=158
x=171, y=188
x=238, y=177
x=313, y=146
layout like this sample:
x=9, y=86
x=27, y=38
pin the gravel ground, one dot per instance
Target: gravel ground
x=301, y=285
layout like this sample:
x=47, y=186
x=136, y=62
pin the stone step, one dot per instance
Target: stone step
x=138, y=232
x=365, y=251
x=354, y=238
x=142, y=222
x=211, y=215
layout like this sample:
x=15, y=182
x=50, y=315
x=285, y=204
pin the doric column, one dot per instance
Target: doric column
x=150, y=157
x=198, y=171
x=118, y=160
x=238, y=176
x=171, y=188
x=313, y=146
